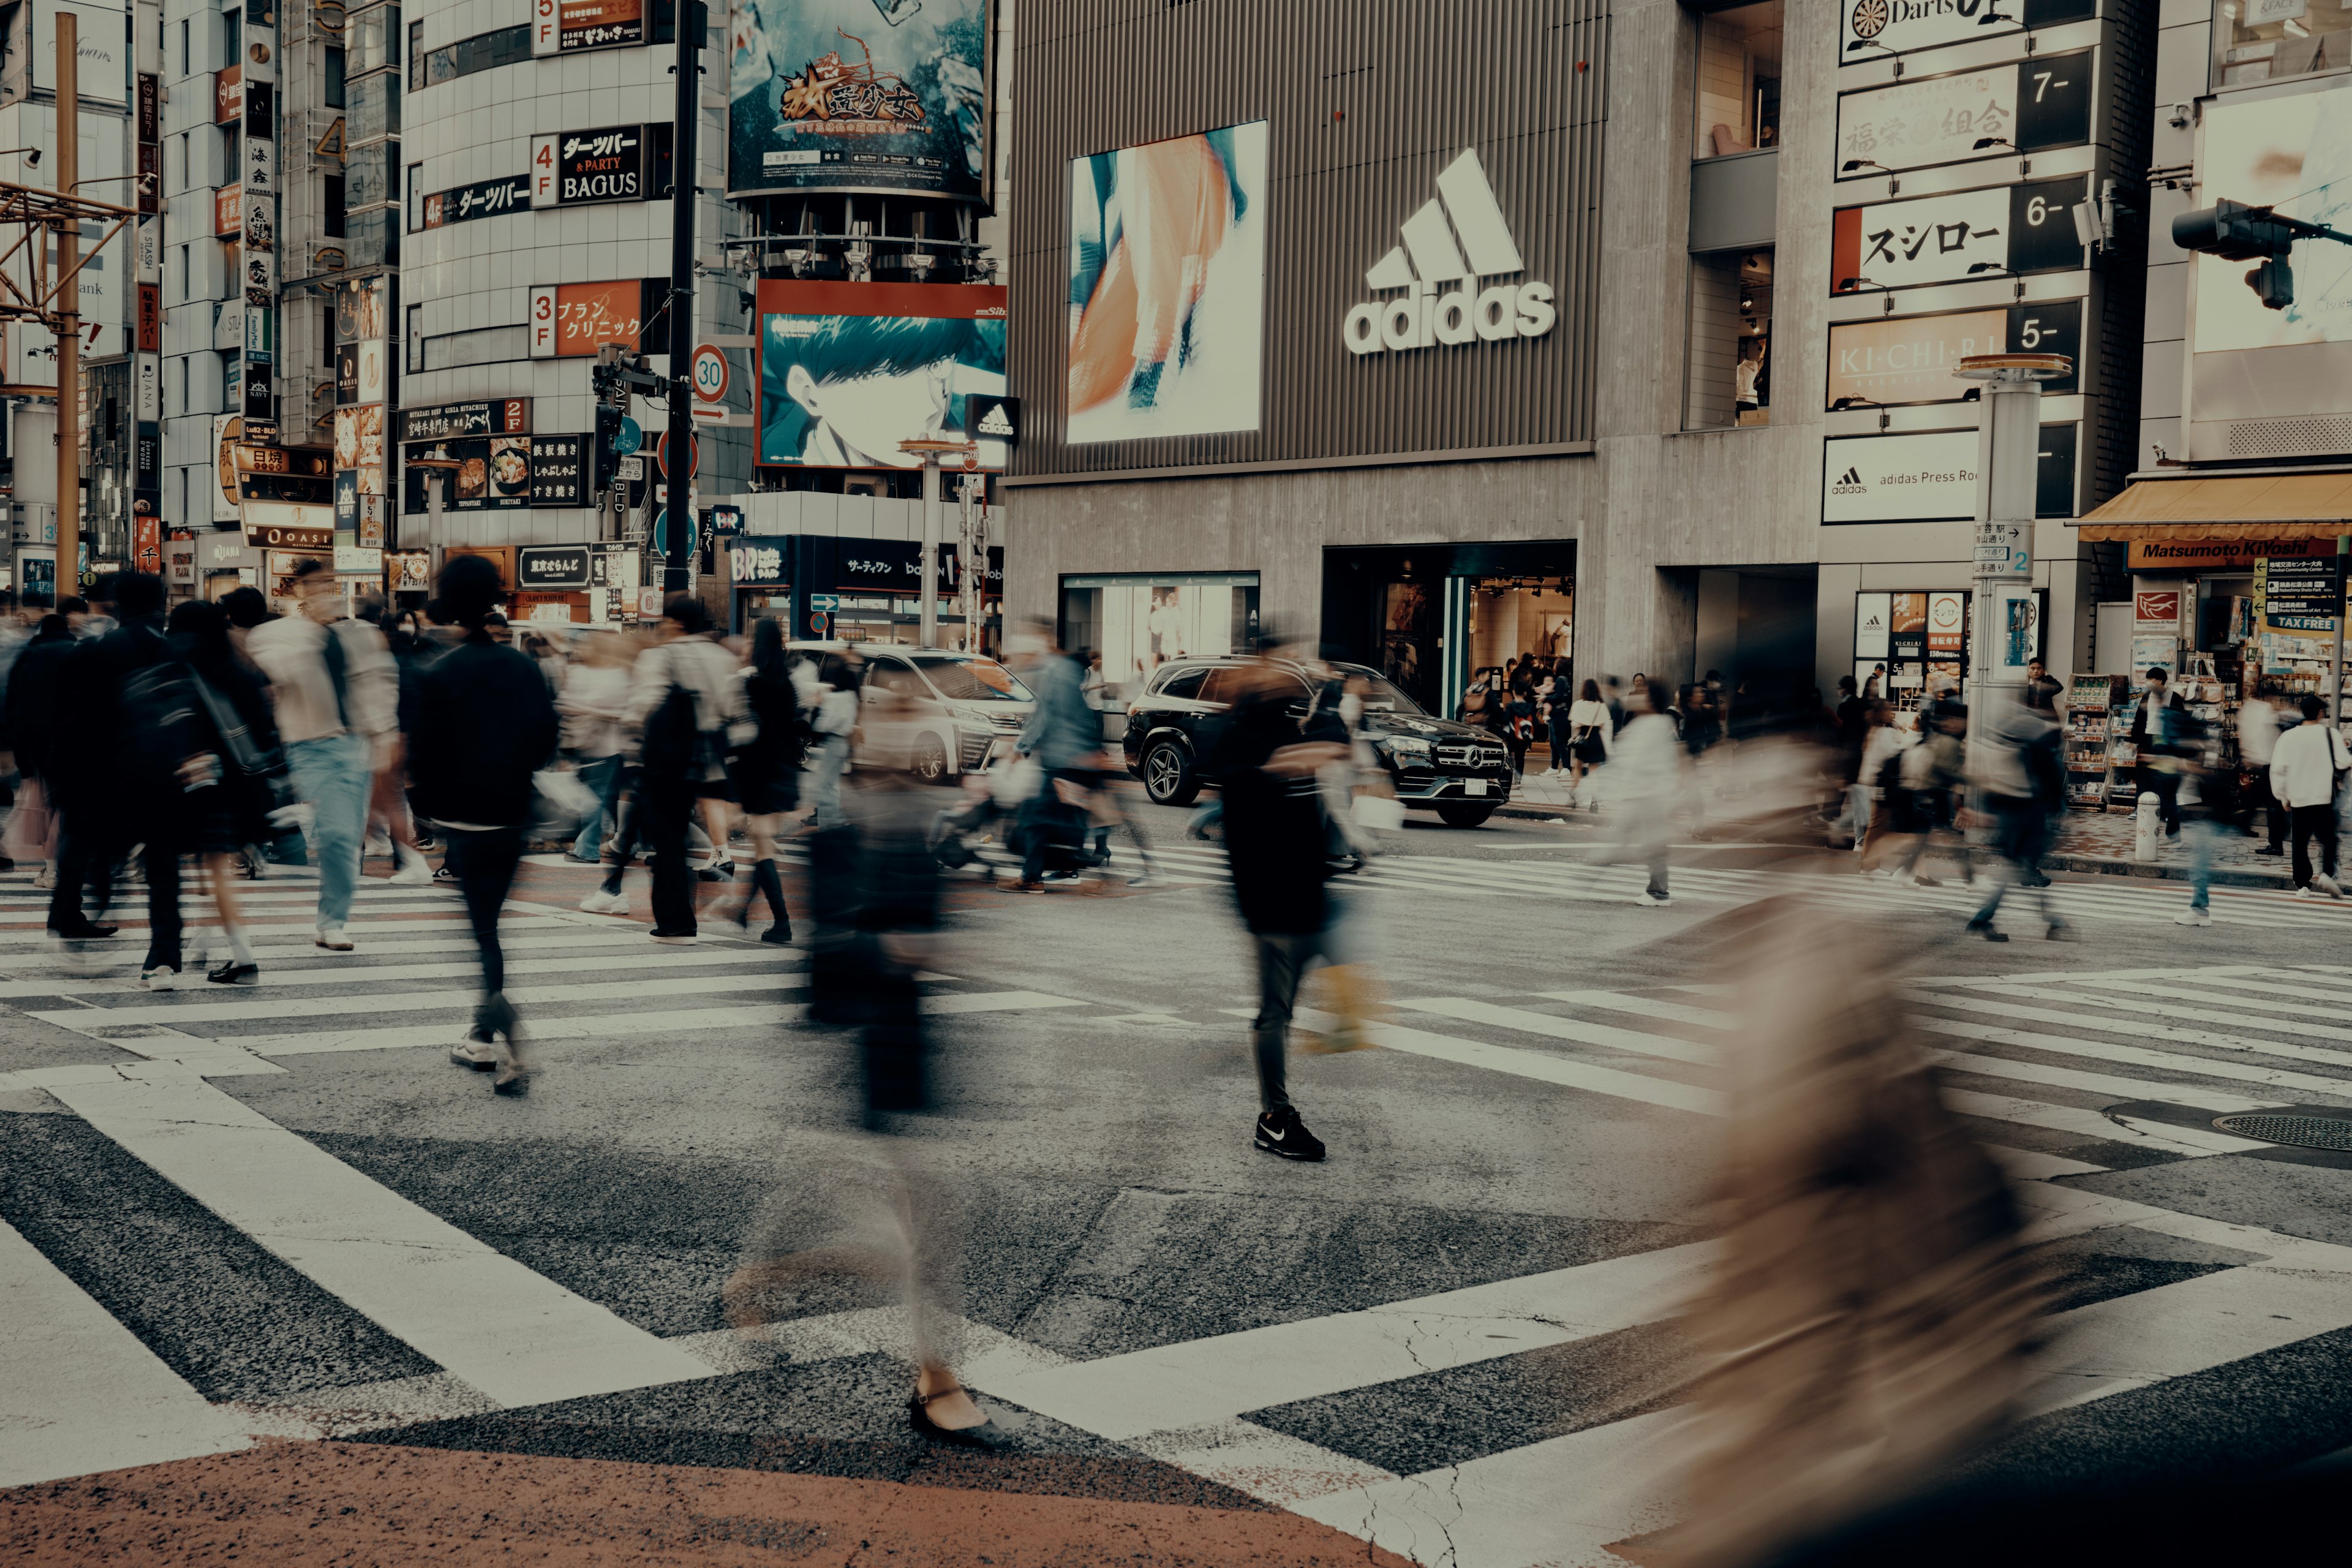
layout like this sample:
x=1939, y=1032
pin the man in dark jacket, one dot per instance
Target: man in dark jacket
x=483, y=724
x=1274, y=837
x=2154, y=741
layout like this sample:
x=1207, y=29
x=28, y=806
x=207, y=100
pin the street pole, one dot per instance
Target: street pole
x=693, y=22
x=2009, y=444
x=930, y=569
x=974, y=565
x=68, y=313
x=2335, y=662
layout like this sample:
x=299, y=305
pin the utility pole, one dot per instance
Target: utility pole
x=693, y=22
x=69, y=326
x=971, y=543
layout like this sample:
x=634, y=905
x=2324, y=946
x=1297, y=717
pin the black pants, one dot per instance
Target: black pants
x=663, y=809
x=2309, y=820
x=85, y=860
x=2166, y=788
x=485, y=860
x=162, y=906
x=2260, y=798
x=1282, y=961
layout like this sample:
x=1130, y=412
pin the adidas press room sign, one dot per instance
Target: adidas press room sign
x=1453, y=251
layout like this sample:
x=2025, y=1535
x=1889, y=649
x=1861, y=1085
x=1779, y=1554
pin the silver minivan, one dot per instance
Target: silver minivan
x=961, y=707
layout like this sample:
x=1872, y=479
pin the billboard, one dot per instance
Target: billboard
x=2030, y=107
x=2294, y=153
x=1949, y=239
x=572, y=319
x=1168, y=287
x=848, y=371
x=1899, y=478
x=1877, y=28
x=1911, y=359
x=859, y=95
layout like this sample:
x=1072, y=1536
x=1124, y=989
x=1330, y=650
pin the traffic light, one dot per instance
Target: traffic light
x=2236, y=232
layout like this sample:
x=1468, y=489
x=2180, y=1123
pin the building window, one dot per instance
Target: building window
x=375, y=37
x=334, y=89
x=1730, y=371
x=415, y=340
x=185, y=69
x=1738, y=99
x=232, y=37
x=2263, y=40
x=483, y=51
x=374, y=106
x=373, y=174
x=334, y=207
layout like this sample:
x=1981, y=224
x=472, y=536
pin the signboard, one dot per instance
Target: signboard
x=149, y=332
x=228, y=97
x=891, y=350
x=1947, y=623
x=1873, y=29
x=229, y=212
x=257, y=259
x=147, y=545
x=409, y=571
x=575, y=168
x=559, y=474
x=572, y=319
x=824, y=99
x=1899, y=478
x=1937, y=239
x=726, y=522
x=502, y=416
x=567, y=26
x=2212, y=554
x=749, y=561
x=103, y=63
x=2157, y=608
x=2295, y=585
x=357, y=561
x=2033, y=105
x=991, y=417
x=1910, y=359
x=710, y=374
x=464, y=204
x=1871, y=625
x=551, y=568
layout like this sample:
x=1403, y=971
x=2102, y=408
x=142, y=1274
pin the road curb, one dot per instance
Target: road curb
x=2166, y=871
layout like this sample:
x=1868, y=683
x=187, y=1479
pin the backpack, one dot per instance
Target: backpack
x=673, y=741
x=164, y=723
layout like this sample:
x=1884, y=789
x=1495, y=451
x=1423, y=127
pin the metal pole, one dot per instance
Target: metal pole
x=2335, y=662
x=2007, y=452
x=931, y=630
x=68, y=309
x=975, y=565
x=693, y=22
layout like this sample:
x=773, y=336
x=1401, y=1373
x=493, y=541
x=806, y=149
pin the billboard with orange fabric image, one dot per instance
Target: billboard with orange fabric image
x=1168, y=287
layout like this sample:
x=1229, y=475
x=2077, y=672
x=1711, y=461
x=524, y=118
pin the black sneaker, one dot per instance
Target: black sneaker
x=1279, y=1131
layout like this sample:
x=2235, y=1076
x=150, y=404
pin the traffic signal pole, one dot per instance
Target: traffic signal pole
x=693, y=22
x=69, y=306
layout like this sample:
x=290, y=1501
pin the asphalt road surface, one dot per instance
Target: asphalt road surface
x=281, y=1281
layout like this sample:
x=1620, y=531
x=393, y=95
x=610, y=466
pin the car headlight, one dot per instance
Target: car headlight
x=1406, y=746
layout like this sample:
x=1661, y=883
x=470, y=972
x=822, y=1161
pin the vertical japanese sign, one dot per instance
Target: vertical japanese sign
x=150, y=185
x=258, y=261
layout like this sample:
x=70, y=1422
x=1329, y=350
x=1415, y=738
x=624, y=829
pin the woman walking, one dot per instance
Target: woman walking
x=249, y=783
x=768, y=772
x=1588, y=728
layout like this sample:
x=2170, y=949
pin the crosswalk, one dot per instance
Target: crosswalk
x=2073, y=1079
x=1586, y=874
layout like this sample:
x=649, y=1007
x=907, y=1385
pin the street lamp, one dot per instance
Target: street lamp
x=1874, y=44
x=1845, y=404
x=931, y=449
x=1848, y=285
x=1976, y=267
x=1852, y=165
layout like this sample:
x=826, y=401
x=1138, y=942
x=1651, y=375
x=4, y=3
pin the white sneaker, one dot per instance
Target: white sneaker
x=2309, y=893
x=334, y=940
x=1650, y=900
x=2327, y=884
x=600, y=902
x=378, y=848
x=160, y=979
x=413, y=870
x=480, y=1054
x=2193, y=917
x=45, y=878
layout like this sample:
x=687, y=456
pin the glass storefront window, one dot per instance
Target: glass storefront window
x=1139, y=623
x=2264, y=40
x=1738, y=80
x=1730, y=371
x=374, y=39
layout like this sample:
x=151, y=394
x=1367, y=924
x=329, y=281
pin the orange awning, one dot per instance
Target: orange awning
x=2274, y=506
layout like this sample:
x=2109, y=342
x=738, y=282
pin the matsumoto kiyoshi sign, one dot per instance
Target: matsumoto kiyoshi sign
x=1456, y=241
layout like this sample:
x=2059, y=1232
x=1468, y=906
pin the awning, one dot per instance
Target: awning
x=2274, y=506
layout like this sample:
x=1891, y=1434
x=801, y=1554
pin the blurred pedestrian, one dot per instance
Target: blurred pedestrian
x=250, y=782
x=2023, y=787
x=485, y=723
x=35, y=682
x=688, y=706
x=1877, y=777
x=1590, y=734
x=834, y=724
x=768, y=772
x=1647, y=763
x=2210, y=804
x=2156, y=767
x=337, y=697
x=594, y=703
x=2306, y=765
x=1266, y=769
x=390, y=830
x=1932, y=773
x=1065, y=736
x=2260, y=718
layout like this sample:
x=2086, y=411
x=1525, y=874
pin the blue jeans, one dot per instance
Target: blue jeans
x=2200, y=834
x=826, y=758
x=604, y=776
x=335, y=773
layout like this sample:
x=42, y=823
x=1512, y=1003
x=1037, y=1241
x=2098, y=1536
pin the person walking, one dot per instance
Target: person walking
x=485, y=723
x=2210, y=803
x=337, y=701
x=2260, y=718
x=1065, y=736
x=593, y=703
x=1648, y=762
x=2023, y=786
x=249, y=784
x=834, y=722
x=2306, y=767
x=768, y=772
x=1590, y=735
x=387, y=796
x=2156, y=769
x=686, y=705
x=31, y=706
x=1876, y=780
x=1266, y=770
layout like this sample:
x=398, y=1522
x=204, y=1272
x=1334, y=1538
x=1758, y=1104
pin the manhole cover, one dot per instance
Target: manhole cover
x=2300, y=1131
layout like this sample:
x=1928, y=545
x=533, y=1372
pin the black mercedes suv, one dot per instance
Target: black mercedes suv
x=1461, y=773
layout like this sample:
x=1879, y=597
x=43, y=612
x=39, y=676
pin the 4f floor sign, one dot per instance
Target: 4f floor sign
x=1459, y=237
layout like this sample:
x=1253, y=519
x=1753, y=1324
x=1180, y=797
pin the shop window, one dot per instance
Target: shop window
x=1138, y=624
x=1738, y=98
x=1730, y=371
x=2264, y=40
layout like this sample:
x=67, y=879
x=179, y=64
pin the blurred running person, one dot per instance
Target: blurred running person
x=1266, y=769
x=2158, y=769
x=2306, y=766
x=2260, y=719
x=768, y=772
x=338, y=701
x=2024, y=787
x=485, y=723
x=35, y=682
x=1066, y=737
x=686, y=703
x=390, y=830
x=1648, y=762
x=594, y=701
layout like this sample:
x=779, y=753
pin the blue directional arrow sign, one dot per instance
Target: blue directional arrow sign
x=628, y=437
x=661, y=534
x=825, y=602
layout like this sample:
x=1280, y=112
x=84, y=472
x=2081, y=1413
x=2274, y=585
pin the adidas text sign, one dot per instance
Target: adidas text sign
x=1454, y=241
x=998, y=418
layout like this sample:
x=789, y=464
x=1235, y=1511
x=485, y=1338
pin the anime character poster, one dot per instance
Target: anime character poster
x=1168, y=287
x=848, y=371
x=859, y=95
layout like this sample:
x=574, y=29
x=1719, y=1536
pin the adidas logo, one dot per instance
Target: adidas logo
x=1458, y=238
x=1848, y=483
x=995, y=423
x=1850, y=477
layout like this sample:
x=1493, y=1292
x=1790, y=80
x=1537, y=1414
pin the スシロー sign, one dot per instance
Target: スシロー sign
x=1939, y=240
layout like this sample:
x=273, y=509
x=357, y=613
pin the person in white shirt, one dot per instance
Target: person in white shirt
x=1648, y=762
x=2305, y=766
x=1589, y=735
x=2260, y=719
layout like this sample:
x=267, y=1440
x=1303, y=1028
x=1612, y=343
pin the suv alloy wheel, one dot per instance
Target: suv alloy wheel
x=1167, y=776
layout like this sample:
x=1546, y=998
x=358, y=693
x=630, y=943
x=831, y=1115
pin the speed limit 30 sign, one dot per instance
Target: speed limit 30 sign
x=710, y=374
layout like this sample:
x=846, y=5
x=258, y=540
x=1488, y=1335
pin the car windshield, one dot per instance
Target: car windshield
x=961, y=679
x=1379, y=697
